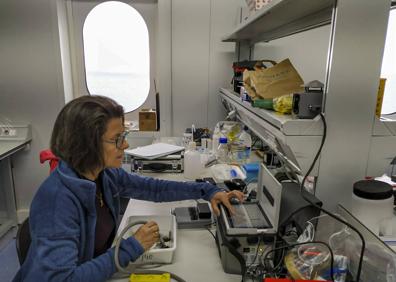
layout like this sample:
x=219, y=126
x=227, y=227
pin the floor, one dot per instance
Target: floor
x=9, y=263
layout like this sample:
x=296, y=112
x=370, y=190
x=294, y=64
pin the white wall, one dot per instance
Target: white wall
x=31, y=88
x=224, y=18
x=31, y=77
x=307, y=51
x=201, y=63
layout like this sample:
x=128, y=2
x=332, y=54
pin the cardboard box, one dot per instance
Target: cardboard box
x=147, y=120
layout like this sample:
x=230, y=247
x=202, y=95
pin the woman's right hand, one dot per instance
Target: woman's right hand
x=147, y=234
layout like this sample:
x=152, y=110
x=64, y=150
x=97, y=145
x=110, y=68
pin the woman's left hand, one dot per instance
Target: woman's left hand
x=224, y=198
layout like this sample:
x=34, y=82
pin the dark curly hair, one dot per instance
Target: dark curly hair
x=78, y=131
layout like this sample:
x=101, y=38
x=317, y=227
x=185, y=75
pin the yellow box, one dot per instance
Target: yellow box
x=165, y=277
x=147, y=120
x=380, y=97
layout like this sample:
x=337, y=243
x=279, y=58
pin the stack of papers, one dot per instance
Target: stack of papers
x=154, y=151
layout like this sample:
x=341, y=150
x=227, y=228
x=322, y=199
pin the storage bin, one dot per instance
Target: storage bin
x=167, y=226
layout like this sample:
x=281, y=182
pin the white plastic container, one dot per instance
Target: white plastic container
x=246, y=141
x=192, y=162
x=241, y=148
x=187, y=138
x=215, y=139
x=372, y=201
x=167, y=227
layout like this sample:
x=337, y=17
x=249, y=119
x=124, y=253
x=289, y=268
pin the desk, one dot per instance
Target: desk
x=196, y=258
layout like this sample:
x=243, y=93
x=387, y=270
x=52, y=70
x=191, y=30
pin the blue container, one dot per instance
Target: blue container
x=251, y=170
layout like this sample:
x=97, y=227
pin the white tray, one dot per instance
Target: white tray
x=167, y=226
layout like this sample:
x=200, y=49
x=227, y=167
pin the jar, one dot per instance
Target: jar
x=372, y=201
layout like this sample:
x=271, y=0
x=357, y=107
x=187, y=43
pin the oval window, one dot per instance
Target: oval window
x=116, y=54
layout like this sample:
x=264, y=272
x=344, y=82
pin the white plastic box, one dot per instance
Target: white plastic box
x=167, y=226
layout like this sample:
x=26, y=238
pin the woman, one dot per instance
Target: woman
x=74, y=213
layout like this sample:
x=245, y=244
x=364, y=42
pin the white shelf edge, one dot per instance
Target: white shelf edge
x=284, y=123
x=275, y=12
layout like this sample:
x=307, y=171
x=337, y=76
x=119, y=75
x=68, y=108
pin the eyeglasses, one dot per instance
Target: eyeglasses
x=119, y=140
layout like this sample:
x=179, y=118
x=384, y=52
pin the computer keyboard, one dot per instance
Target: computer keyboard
x=249, y=216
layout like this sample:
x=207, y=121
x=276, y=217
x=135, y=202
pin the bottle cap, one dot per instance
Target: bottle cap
x=223, y=140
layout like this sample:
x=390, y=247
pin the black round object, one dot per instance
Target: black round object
x=372, y=189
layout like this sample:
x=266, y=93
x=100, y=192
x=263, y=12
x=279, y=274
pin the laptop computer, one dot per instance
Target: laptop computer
x=260, y=217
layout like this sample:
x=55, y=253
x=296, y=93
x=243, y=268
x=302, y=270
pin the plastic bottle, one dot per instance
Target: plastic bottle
x=246, y=141
x=222, y=151
x=215, y=138
x=192, y=162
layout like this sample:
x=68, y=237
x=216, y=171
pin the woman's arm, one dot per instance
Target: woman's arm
x=158, y=190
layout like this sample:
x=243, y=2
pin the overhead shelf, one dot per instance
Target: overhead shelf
x=286, y=124
x=295, y=140
x=281, y=18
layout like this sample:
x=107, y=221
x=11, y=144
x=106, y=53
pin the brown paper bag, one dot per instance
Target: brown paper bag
x=281, y=79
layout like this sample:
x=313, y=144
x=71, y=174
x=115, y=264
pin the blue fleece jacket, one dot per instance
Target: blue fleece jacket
x=63, y=217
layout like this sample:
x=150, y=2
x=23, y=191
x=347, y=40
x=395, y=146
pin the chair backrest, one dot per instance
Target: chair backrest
x=23, y=241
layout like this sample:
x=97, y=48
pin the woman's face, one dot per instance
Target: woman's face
x=112, y=155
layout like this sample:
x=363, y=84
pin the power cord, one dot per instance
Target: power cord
x=302, y=191
x=207, y=227
x=255, y=256
x=129, y=272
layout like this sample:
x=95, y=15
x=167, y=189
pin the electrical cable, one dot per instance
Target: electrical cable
x=280, y=260
x=302, y=190
x=210, y=231
x=292, y=177
x=255, y=256
x=121, y=269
